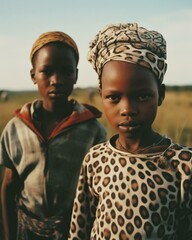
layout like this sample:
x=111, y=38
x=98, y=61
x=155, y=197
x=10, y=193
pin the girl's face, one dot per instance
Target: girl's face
x=130, y=97
x=55, y=73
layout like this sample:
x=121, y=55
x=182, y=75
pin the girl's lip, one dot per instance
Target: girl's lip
x=129, y=125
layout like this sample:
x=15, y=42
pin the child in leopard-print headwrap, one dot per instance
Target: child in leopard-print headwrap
x=138, y=184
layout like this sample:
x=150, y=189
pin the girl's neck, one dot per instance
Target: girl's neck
x=148, y=143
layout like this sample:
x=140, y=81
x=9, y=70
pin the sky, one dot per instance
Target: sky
x=22, y=21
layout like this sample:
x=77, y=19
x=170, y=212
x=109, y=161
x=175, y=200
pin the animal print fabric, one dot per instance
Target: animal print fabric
x=131, y=43
x=121, y=196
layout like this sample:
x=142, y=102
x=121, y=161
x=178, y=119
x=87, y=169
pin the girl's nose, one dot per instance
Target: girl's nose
x=123, y=111
x=128, y=109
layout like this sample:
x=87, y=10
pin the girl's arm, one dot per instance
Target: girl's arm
x=184, y=227
x=9, y=190
x=83, y=209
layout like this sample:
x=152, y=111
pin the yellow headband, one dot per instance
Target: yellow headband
x=54, y=36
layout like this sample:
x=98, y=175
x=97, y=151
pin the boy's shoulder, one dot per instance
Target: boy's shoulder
x=85, y=112
x=20, y=116
x=93, y=109
x=86, y=108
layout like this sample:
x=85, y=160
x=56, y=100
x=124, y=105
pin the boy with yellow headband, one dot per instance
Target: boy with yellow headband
x=137, y=185
x=43, y=146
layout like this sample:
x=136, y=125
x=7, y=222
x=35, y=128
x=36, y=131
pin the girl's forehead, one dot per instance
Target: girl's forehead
x=121, y=69
x=124, y=75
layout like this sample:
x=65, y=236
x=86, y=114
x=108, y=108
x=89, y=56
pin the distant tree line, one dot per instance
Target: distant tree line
x=179, y=88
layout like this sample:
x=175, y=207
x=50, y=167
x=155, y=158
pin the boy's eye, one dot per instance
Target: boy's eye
x=144, y=97
x=68, y=71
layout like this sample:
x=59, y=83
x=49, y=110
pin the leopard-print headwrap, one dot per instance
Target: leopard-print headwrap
x=54, y=36
x=130, y=43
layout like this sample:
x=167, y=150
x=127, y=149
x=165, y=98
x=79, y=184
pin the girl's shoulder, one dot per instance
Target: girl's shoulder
x=98, y=148
x=179, y=152
x=179, y=148
x=97, y=152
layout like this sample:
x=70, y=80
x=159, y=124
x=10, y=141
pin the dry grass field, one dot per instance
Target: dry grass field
x=174, y=117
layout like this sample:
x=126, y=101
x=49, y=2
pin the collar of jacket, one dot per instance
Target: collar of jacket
x=81, y=113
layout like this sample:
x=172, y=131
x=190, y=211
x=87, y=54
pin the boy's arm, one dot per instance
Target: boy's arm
x=9, y=190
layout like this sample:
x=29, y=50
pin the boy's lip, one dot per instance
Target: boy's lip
x=56, y=93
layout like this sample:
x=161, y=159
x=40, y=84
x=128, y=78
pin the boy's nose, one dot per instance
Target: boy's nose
x=56, y=79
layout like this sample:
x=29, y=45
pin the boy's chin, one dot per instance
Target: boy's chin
x=60, y=95
x=59, y=101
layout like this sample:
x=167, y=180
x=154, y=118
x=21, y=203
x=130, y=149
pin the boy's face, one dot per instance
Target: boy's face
x=130, y=97
x=55, y=73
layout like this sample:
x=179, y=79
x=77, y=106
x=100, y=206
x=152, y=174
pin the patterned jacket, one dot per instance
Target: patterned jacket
x=49, y=169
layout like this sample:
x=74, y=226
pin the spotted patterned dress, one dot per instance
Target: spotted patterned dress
x=122, y=196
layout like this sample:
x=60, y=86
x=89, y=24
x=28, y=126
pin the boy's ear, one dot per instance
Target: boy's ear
x=32, y=73
x=161, y=94
x=99, y=89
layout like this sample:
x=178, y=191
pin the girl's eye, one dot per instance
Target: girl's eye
x=113, y=98
x=47, y=71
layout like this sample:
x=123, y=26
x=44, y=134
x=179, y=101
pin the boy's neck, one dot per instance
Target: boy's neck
x=57, y=111
x=52, y=117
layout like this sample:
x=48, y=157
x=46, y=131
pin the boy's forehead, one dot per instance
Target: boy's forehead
x=55, y=53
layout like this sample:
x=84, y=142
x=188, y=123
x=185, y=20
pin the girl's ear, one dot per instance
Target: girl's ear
x=100, y=86
x=77, y=72
x=161, y=94
x=32, y=73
